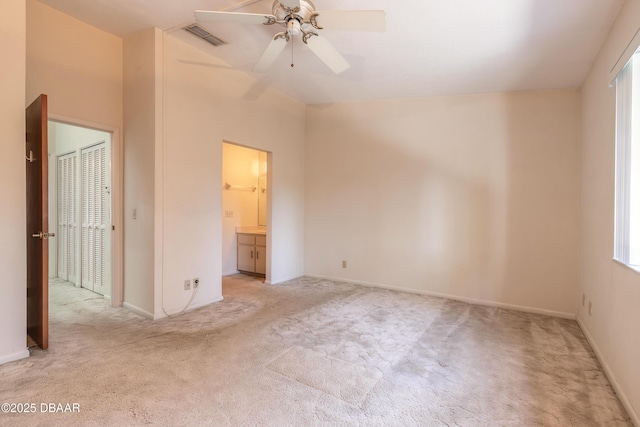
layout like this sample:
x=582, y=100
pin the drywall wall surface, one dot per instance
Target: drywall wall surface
x=474, y=197
x=612, y=288
x=67, y=138
x=13, y=317
x=140, y=135
x=78, y=66
x=241, y=170
x=207, y=103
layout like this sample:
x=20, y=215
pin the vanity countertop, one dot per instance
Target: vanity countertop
x=252, y=229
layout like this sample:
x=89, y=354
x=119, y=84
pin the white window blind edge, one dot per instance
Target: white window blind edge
x=624, y=99
x=624, y=58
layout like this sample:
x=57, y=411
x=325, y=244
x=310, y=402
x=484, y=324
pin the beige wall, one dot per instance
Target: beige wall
x=613, y=289
x=474, y=197
x=13, y=302
x=142, y=133
x=78, y=66
x=204, y=105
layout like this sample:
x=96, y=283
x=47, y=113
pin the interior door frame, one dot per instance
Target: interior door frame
x=267, y=276
x=117, y=201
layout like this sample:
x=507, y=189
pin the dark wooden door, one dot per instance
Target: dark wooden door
x=37, y=223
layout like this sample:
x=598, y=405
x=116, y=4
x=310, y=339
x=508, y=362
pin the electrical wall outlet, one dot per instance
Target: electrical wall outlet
x=187, y=285
x=196, y=283
x=344, y=264
x=228, y=214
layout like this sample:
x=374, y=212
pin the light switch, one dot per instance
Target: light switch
x=134, y=214
x=228, y=214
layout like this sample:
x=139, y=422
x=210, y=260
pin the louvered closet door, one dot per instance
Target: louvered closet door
x=67, y=225
x=96, y=219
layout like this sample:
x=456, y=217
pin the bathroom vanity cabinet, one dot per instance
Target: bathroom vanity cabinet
x=252, y=253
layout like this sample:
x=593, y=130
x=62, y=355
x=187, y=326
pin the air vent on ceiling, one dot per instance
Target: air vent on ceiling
x=203, y=34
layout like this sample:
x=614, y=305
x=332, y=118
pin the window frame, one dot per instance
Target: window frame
x=627, y=138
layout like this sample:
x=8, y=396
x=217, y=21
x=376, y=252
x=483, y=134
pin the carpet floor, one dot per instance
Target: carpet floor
x=309, y=352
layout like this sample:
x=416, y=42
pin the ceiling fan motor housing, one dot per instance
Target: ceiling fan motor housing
x=303, y=15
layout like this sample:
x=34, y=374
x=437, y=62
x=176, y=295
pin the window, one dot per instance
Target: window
x=627, y=208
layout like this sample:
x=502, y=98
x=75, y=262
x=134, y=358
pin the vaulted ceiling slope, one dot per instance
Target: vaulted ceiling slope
x=431, y=47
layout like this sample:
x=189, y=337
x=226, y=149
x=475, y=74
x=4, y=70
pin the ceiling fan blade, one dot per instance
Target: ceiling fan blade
x=271, y=53
x=328, y=54
x=352, y=20
x=240, y=18
x=291, y=4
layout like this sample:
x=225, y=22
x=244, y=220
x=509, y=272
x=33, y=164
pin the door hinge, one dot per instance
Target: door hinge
x=31, y=159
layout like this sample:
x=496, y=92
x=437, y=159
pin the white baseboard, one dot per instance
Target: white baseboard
x=175, y=312
x=14, y=356
x=230, y=273
x=137, y=310
x=635, y=419
x=203, y=303
x=487, y=303
x=282, y=279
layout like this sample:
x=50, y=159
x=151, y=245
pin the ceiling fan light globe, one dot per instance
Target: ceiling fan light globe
x=293, y=27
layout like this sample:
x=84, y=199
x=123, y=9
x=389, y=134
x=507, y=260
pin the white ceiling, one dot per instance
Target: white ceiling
x=431, y=47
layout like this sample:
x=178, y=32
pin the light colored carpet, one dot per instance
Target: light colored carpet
x=343, y=380
x=310, y=352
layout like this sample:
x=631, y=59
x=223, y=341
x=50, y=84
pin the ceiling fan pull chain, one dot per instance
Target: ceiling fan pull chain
x=292, y=39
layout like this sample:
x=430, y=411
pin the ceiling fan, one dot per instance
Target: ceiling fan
x=299, y=17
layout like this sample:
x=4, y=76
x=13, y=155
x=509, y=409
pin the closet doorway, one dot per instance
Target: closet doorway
x=80, y=206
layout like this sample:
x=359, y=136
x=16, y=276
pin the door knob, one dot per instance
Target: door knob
x=41, y=235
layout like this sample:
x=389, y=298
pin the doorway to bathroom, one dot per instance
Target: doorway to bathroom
x=246, y=211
